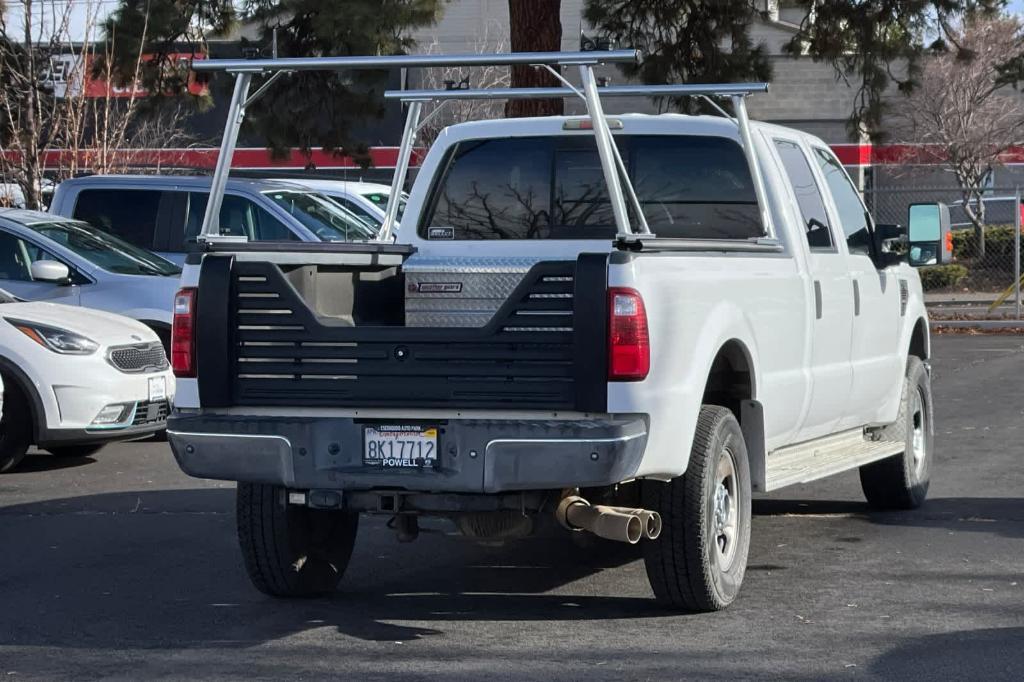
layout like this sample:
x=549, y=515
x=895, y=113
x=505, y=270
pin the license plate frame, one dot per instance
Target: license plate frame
x=400, y=446
x=157, y=389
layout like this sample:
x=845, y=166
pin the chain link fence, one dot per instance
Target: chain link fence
x=983, y=268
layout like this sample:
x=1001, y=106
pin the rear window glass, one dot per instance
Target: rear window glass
x=552, y=188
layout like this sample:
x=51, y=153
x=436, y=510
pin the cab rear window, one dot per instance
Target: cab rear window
x=552, y=188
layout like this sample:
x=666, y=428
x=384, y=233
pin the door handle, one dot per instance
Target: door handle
x=856, y=297
x=817, y=299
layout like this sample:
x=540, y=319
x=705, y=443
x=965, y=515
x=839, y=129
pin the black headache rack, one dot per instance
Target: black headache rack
x=261, y=344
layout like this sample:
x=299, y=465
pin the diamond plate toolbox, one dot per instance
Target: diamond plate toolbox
x=459, y=292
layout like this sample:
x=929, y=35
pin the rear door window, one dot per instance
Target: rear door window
x=130, y=214
x=808, y=196
x=696, y=187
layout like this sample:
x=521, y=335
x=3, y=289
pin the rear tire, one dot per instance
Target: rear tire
x=75, y=450
x=291, y=550
x=15, y=426
x=699, y=560
x=901, y=481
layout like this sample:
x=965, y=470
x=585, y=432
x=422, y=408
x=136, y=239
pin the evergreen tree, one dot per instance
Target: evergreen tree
x=872, y=44
x=307, y=109
x=684, y=41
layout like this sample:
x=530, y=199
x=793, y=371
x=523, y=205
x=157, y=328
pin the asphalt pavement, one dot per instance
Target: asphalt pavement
x=118, y=566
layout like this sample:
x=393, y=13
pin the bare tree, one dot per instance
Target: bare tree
x=442, y=114
x=28, y=109
x=961, y=111
x=61, y=115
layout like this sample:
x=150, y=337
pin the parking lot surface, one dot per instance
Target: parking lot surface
x=120, y=566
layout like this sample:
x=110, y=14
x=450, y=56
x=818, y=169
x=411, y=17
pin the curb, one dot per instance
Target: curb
x=980, y=325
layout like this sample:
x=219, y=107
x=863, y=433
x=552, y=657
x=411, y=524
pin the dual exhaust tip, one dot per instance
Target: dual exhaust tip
x=622, y=524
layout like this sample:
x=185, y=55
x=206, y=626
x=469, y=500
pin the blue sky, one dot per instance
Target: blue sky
x=1017, y=6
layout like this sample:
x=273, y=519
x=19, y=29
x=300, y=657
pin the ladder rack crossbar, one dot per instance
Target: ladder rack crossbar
x=412, y=61
x=621, y=193
x=694, y=90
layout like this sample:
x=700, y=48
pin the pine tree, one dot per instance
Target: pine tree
x=305, y=110
x=684, y=41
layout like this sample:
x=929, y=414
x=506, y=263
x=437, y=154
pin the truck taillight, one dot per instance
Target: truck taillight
x=629, y=347
x=183, y=334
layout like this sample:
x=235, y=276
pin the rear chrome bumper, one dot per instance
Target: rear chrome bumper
x=475, y=456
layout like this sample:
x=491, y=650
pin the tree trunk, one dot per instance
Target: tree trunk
x=534, y=26
x=30, y=133
x=981, y=228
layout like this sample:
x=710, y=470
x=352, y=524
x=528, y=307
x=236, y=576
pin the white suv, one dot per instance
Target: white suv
x=77, y=379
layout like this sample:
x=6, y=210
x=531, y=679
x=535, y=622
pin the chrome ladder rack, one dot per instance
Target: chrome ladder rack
x=614, y=171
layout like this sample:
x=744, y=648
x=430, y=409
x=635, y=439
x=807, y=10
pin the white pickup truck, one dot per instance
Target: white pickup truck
x=524, y=349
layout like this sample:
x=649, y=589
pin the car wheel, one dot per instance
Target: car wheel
x=75, y=450
x=15, y=426
x=291, y=550
x=901, y=481
x=699, y=560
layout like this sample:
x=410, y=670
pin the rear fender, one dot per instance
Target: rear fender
x=673, y=391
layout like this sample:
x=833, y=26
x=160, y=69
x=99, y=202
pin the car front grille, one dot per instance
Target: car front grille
x=150, y=412
x=148, y=357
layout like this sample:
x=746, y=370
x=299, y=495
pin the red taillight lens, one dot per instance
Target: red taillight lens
x=183, y=334
x=629, y=346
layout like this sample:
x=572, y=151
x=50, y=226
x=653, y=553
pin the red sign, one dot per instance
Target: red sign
x=71, y=75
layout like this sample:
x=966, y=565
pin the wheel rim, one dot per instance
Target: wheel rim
x=725, y=511
x=918, y=430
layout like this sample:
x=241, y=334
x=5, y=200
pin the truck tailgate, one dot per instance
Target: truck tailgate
x=271, y=334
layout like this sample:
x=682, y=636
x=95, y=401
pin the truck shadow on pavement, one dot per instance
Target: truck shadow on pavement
x=1003, y=516
x=991, y=653
x=161, y=569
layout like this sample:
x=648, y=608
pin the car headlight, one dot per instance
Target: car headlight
x=56, y=339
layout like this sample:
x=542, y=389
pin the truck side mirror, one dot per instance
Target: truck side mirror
x=929, y=240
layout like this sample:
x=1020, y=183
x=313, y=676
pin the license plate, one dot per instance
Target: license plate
x=157, y=388
x=399, y=446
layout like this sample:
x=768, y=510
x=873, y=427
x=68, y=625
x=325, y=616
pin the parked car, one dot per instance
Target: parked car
x=998, y=211
x=164, y=213
x=77, y=379
x=366, y=199
x=46, y=257
x=11, y=195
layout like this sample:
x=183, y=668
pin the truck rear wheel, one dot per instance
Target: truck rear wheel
x=292, y=550
x=901, y=481
x=698, y=561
